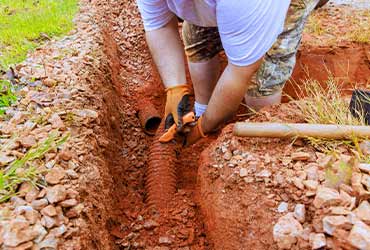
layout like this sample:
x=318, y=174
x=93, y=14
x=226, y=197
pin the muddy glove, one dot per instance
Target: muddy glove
x=177, y=105
x=195, y=133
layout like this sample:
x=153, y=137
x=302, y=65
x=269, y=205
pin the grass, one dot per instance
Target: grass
x=361, y=33
x=7, y=96
x=23, y=170
x=314, y=25
x=325, y=105
x=25, y=24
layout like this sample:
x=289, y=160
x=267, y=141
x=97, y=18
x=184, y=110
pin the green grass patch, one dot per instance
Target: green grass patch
x=23, y=169
x=7, y=96
x=25, y=24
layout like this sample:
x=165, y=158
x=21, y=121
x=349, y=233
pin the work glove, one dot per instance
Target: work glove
x=195, y=133
x=177, y=105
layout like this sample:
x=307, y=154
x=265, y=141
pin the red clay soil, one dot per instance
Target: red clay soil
x=243, y=219
x=239, y=214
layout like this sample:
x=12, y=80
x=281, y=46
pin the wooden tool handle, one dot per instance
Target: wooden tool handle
x=283, y=130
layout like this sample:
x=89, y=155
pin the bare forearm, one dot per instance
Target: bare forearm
x=167, y=51
x=227, y=95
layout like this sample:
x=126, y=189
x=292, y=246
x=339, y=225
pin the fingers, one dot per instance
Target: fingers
x=169, y=121
x=182, y=109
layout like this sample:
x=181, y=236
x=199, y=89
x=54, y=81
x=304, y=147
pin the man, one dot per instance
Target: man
x=255, y=40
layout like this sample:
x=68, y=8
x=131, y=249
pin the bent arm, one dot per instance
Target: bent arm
x=228, y=94
x=168, y=54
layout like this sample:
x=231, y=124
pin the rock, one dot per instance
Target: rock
x=357, y=186
x=363, y=212
x=347, y=200
x=366, y=181
x=27, y=141
x=311, y=184
x=365, y=147
x=5, y=160
x=164, y=240
x=365, y=167
x=75, y=211
x=227, y=156
x=317, y=241
x=55, y=121
x=31, y=195
x=16, y=201
x=48, y=243
x=243, y=172
x=312, y=172
x=298, y=182
x=69, y=203
x=55, y=175
x=331, y=223
x=17, y=231
x=86, y=113
x=48, y=222
x=72, y=174
x=300, y=156
x=56, y=194
x=24, y=188
x=150, y=224
x=286, y=231
x=339, y=210
x=300, y=212
x=49, y=211
x=23, y=246
x=58, y=231
x=39, y=204
x=248, y=179
x=49, y=82
x=65, y=155
x=41, y=232
x=283, y=207
x=326, y=196
x=359, y=236
x=32, y=216
x=264, y=174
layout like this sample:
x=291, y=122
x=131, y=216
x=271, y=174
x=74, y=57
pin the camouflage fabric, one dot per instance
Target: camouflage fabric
x=203, y=43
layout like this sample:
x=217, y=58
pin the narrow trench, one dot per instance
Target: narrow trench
x=126, y=157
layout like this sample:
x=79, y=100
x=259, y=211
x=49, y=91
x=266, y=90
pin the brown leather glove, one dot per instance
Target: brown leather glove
x=177, y=105
x=195, y=133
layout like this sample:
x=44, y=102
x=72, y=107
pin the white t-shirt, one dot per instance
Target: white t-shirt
x=248, y=28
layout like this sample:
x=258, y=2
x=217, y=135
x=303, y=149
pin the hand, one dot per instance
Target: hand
x=195, y=133
x=177, y=105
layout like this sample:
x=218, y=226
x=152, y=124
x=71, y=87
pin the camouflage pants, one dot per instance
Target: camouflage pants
x=203, y=43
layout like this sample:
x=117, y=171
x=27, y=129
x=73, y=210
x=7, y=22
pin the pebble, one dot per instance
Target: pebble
x=298, y=183
x=300, y=156
x=58, y=231
x=300, y=212
x=326, y=196
x=48, y=243
x=48, y=222
x=150, y=224
x=243, y=172
x=283, y=207
x=317, y=241
x=286, y=231
x=359, y=236
x=55, y=121
x=363, y=212
x=227, y=156
x=339, y=211
x=311, y=184
x=55, y=175
x=56, y=194
x=164, y=240
x=331, y=223
x=41, y=232
x=365, y=147
x=69, y=203
x=264, y=174
x=39, y=204
x=312, y=173
x=27, y=141
x=49, y=211
x=365, y=167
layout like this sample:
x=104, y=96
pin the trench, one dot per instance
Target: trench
x=120, y=213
